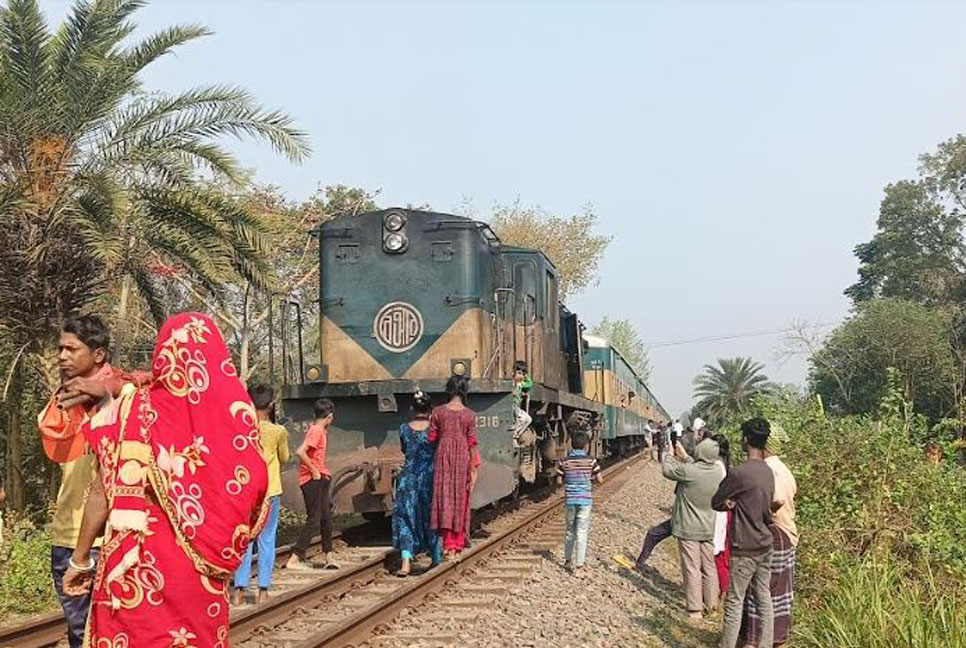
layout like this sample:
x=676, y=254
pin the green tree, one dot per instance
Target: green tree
x=91, y=162
x=101, y=182
x=726, y=392
x=243, y=311
x=917, y=253
x=623, y=336
x=570, y=242
x=851, y=370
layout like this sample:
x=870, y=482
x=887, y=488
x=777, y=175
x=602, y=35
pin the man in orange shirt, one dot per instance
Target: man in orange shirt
x=83, y=353
x=315, y=481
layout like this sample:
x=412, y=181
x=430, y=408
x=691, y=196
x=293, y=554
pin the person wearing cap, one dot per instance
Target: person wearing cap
x=83, y=352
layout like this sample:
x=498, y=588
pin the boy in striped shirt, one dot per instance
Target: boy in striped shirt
x=577, y=471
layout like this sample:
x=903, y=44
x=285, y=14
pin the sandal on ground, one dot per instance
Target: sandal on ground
x=625, y=562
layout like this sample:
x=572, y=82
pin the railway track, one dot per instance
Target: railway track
x=360, y=614
x=352, y=605
x=49, y=630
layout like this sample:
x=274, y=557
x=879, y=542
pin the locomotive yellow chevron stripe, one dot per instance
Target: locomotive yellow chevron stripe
x=467, y=337
x=346, y=360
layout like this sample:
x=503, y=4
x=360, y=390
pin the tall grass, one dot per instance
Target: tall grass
x=875, y=606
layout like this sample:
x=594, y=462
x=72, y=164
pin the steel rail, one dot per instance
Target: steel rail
x=360, y=626
x=48, y=629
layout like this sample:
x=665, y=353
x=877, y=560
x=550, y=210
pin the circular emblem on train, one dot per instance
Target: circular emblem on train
x=398, y=326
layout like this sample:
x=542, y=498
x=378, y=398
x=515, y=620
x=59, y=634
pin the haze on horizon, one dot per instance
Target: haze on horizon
x=736, y=151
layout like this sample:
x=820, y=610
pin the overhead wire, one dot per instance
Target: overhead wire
x=735, y=336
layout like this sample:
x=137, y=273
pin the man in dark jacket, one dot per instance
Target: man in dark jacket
x=747, y=492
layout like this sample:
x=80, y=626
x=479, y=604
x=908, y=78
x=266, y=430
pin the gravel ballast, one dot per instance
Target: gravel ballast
x=608, y=607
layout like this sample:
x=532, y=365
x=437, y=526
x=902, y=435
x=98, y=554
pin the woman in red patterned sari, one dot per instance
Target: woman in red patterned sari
x=181, y=494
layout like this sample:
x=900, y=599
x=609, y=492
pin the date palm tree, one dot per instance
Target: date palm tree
x=105, y=186
x=725, y=392
x=96, y=172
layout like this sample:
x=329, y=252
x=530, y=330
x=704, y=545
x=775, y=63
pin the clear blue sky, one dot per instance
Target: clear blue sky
x=735, y=150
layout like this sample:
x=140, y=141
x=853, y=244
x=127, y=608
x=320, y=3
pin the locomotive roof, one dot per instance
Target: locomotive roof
x=443, y=216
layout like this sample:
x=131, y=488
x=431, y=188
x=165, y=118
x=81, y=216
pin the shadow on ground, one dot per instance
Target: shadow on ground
x=674, y=629
x=668, y=621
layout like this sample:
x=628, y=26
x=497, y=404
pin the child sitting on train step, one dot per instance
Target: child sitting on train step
x=521, y=387
x=577, y=471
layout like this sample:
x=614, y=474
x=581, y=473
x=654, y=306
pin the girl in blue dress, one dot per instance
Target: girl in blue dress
x=411, y=534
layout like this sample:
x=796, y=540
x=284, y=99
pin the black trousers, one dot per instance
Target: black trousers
x=655, y=535
x=318, y=509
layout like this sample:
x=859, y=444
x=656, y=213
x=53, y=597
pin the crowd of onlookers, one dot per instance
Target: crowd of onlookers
x=171, y=478
x=735, y=527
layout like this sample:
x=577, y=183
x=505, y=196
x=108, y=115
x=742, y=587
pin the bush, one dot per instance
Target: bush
x=25, y=585
x=883, y=531
x=290, y=523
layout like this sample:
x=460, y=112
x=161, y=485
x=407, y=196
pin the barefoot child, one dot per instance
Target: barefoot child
x=315, y=480
x=577, y=471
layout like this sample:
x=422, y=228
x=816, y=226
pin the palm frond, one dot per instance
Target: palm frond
x=157, y=45
x=25, y=38
x=150, y=294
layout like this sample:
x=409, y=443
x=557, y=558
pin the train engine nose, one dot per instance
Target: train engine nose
x=405, y=295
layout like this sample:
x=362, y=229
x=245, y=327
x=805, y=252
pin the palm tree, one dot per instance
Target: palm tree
x=104, y=186
x=725, y=392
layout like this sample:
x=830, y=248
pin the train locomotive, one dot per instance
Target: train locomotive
x=408, y=298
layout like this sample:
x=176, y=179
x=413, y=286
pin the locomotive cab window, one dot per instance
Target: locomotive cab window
x=550, y=297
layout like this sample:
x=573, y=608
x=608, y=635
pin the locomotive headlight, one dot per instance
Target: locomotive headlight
x=459, y=368
x=394, y=221
x=395, y=242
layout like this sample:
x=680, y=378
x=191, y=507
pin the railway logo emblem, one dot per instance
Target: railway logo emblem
x=398, y=326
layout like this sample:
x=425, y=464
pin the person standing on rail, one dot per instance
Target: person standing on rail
x=84, y=347
x=274, y=440
x=692, y=521
x=315, y=482
x=180, y=488
x=411, y=534
x=748, y=492
x=452, y=427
